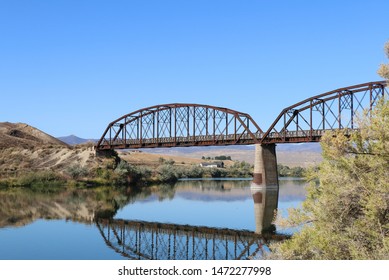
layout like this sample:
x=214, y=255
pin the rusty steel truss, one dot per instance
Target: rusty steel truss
x=175, y=125
x=182, y=125
x=307, y=120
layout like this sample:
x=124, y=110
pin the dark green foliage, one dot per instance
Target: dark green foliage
x=286, y=171
x=168, y=173
x=126, y=173
x=223, y=158
x=240, y=169
x=77, y=171
x=217, y=172
x=39, y=179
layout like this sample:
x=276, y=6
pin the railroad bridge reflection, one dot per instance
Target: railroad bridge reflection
x=140, y=240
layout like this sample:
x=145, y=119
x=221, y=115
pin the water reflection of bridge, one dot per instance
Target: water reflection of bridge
x=156, y=241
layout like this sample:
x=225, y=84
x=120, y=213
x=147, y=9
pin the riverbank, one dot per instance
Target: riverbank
x=117, y=172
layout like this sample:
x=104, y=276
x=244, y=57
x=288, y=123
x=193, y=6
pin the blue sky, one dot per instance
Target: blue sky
x=72, y=66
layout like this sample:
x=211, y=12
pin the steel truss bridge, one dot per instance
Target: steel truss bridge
x=181, y=125
x=139, y=240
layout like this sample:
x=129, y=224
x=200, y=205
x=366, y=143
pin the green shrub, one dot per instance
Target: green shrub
x=167, y=173
x=39, y=178
x=77, y=171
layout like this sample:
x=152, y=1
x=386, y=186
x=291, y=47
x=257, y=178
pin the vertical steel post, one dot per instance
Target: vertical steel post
x=141, y=129
x=206, y=121
x=175, y=125
x=154, y=126
x=226, y=124
x=214, y=125
x=158, y=126
x=339, y=110
x=235, y=132
x=323, y=115
x=187, y=121
x=284, y=130
x=310, y=122
x=194, y=123
x=352, y=110
x=125, y=131
x=110, y=137
x=371, y=98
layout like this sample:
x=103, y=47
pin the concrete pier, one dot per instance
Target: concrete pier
x=265, y=165
x=264, y=187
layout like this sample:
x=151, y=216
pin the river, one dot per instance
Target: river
x=193, y=219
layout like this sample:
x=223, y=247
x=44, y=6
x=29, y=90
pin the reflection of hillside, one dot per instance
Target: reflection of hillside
x=212, y=190
x=292, y=189
x=21, y=206
x=220, y=190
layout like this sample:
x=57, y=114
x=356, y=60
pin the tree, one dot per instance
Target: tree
x=346, y=213
x=383, y=71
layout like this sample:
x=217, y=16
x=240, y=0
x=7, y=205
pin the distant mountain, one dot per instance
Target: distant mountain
x=75, y=140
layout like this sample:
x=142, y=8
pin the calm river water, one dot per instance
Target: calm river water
x=194, y=219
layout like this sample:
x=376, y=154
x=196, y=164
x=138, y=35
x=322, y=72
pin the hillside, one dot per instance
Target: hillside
x=292, y=155
x=26, y=148
x=22, y=135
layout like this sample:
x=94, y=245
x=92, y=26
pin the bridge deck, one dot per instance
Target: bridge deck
x=211, y=140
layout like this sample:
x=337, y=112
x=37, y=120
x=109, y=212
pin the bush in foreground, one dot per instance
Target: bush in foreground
x=346, y=214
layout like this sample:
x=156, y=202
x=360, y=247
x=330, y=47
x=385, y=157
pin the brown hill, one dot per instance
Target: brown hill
x=22, y=135
x=26, y=148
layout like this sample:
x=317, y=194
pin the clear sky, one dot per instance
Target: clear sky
x=73, y=66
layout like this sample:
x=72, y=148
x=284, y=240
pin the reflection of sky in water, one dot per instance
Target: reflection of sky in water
x=231, y=208
x=57, y=239
x=223, y=214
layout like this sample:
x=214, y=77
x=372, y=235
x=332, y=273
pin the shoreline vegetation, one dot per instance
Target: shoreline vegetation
x=117, y=172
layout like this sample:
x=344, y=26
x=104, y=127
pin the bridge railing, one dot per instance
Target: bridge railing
x=192, y=140
x=245, y=139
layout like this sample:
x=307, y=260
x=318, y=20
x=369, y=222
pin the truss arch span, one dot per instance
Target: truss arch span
x=179, y=124
x=306, y=121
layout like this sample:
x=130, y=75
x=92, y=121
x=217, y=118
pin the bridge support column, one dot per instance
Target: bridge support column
x=264, y=187
x=265, y=166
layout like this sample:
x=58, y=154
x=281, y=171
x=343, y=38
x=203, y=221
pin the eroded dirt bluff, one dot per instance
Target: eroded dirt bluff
x=22, y=135
x=23, y=147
